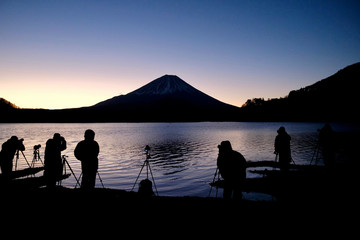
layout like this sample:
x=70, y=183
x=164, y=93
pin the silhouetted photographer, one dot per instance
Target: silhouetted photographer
x=232, y=167
x=53, y=162
x=87, y=152
x=8, y=151
x=282, y=148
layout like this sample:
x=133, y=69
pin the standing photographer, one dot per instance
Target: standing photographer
x=7, y=154
x=282, y=148
x=53, y=164
x=87, y=152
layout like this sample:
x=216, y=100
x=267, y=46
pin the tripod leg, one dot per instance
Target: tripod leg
x=36, y=155
x=39, y=158
x=100, y=179
x=138, y=176
x=153, y=179
x=72, y=172
x=213, y=181
x=77, y=183
x=25, y=159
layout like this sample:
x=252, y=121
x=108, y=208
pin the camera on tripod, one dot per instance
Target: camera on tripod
x=36, y=155
x=145, y=188
x=36, y=147
x=147, y=151
x=147, y=148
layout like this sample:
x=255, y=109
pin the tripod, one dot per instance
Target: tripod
x=98, y=176
x=64, y=168
x=17, y=158
x=147, y=163
x=36, y=156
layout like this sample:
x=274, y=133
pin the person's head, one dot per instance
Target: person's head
x=281, y=130
x=89, y=135
x=225, y=147
x=14, y=139
x=57, y=136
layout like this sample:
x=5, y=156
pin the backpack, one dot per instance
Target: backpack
x=145, y=188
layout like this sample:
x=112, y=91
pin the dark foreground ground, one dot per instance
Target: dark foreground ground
x=108, y=213
x=309, y=202
x=104, y=203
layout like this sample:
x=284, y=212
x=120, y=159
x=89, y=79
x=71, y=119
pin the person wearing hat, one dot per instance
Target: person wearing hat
x=232, y=167
x=53, y=163
x=7, y=154
x=282, y=148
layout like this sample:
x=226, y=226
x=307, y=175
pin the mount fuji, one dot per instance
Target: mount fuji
x=168, y=98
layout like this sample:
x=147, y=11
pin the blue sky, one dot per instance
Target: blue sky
x=61, y=54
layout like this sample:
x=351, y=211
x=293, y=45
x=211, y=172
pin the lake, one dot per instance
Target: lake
x=183, y=155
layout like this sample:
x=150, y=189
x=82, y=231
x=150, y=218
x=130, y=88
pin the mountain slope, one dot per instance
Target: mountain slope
x=169, y=87
x=6, y=105
x=167, y=98
x=334, y=98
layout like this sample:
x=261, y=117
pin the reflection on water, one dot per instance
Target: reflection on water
x=183, y=155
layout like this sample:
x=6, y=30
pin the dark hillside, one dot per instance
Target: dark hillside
x=6, y=105
x=335, y=98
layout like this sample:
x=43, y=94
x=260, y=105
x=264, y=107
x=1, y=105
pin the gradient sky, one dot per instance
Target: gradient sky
x=63, y=54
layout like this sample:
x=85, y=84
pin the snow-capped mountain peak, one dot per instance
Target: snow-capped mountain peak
x=167, y=84
x=169, y=95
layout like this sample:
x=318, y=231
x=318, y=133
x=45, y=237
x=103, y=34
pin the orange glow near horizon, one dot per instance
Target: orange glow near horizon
x=57, y=93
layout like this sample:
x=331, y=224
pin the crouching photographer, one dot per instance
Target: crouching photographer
x=232, y=167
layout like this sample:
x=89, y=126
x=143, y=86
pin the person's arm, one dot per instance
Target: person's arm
x=97, y=149
x=77, y=151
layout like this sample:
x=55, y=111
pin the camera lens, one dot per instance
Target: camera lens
x=37, y=147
